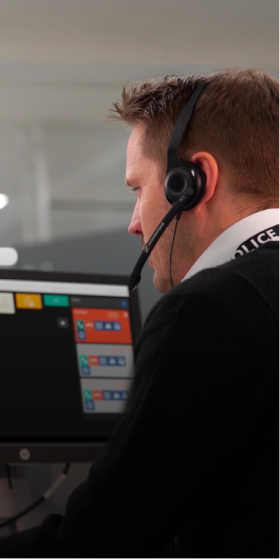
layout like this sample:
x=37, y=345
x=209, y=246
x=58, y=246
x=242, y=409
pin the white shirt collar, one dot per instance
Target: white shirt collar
x=223, y=248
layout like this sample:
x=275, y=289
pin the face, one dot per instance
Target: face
x=142, y=176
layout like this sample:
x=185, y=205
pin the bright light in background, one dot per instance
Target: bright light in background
x=4, y=200
x=8, y=256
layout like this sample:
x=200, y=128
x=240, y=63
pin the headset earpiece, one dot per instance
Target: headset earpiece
x=186, y=178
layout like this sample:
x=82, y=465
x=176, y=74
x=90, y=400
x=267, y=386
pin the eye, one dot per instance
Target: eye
x=134, y=190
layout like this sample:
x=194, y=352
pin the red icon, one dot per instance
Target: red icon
x=97, y=395
x=93, y=360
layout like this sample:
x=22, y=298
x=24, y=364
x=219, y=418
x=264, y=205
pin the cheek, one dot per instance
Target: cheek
x=147, y=214
x=152, y=210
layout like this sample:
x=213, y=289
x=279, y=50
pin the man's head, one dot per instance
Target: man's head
x=232, y=136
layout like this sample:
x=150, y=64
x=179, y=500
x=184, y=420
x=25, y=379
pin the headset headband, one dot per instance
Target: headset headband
x=173, y=157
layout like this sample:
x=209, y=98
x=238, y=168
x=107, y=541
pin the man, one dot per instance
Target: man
x=195, y=455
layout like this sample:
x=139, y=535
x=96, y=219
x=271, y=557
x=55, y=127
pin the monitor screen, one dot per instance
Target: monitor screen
x=66, y=362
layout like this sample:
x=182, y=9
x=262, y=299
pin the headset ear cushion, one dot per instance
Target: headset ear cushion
x=178, y=181
x=185, y=178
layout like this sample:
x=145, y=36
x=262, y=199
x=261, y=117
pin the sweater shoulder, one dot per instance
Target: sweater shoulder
x=254, y=277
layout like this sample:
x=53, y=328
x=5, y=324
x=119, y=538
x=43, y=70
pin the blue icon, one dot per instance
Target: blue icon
x=85, y=370
x=121, y=361
x=112, y=360
x=108, y=325
x=115, y=394
x=89, y=405
x=103, y=360
x=124, y=304
x=81, y=335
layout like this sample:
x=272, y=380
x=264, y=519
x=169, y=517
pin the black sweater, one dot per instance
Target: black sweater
x=196, y=453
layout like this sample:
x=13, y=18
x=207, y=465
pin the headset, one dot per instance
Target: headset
x=184, y=184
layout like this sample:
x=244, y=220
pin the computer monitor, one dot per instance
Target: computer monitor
x=66, y=363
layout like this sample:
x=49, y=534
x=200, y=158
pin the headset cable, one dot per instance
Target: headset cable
x=43, y=498
x=178, y=215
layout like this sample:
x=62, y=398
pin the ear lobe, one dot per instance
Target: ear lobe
x=209, y=166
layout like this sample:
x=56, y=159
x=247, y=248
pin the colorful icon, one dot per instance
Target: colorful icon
x=29, y=301
x=80, y=325
x=103, y=360
x=97, y=395
x=107, y=325
x=93, y=360
x=85, y=370
x=121, y=361
x=115, y=395
x=83, y=360
x=56, y=300
x=89, y=405
x=112, y=361
x=81, y=335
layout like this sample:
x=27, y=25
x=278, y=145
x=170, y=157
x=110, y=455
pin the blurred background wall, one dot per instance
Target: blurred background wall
x=62, y=63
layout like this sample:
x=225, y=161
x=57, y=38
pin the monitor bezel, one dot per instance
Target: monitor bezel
x=28, y=450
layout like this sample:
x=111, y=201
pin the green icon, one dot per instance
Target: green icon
x=56, y=300
x=87, y=395
x=83, y=360
x=80, y=324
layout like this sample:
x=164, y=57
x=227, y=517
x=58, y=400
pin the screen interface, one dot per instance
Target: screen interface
x=66, y=358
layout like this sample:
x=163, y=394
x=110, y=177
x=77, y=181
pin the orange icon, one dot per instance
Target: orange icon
x=29, y=301
x=93, y=360
x=97, y=394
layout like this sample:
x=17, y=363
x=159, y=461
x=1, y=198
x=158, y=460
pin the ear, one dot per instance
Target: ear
x=209, y=166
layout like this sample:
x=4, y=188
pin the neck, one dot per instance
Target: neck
x=202, y=227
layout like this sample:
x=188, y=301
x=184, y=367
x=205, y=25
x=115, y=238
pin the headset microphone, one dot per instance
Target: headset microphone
x=184, y=184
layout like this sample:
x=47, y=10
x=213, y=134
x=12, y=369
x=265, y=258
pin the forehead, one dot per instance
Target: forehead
x=134, y=146
x=137, y=161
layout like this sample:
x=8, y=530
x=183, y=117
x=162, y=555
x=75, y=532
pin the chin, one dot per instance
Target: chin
x=162, y=285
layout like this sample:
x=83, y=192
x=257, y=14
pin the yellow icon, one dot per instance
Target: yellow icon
x=28, y=301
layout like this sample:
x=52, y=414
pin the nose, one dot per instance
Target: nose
x=135, y=227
